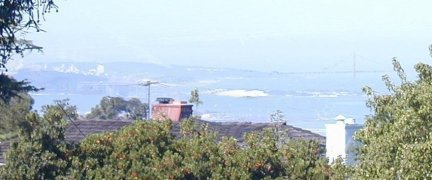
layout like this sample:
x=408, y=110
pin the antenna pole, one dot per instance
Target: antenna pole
x=148, y=84
x=148, y=100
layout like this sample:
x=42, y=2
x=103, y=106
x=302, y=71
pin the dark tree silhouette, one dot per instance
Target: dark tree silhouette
x=17, y=17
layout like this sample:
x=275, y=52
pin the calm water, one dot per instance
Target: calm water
x=308, y=101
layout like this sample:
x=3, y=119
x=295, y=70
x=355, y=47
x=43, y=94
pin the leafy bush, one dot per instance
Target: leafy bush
x=396, y=139
x=149, y=150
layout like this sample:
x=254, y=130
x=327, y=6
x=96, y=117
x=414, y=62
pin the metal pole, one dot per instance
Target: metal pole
x=148, y=101
x=148, y=110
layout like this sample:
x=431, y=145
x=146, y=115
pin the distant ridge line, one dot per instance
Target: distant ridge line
x=332, y=72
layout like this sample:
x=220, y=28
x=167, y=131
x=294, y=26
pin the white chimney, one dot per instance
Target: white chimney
x=340, y=119
x=340, y=139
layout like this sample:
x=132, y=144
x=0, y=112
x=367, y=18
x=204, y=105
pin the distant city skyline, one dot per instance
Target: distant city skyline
x=270, y=35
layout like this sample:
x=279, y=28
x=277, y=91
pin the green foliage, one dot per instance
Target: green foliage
x=195, y=98
x=6, y=136
x=63, y=107
x=10, y=88
x=339, y=171
x=113, y=107
x=40, y=151
x=128, y=153
x=396, y=139
x=13, y=114
x=17, y=17
x=148, y=150
x=136, y=110
x=304, y=160
x=278, y=120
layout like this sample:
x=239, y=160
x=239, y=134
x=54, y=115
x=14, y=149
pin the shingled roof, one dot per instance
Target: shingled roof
x=78, y=130
x=238, y=129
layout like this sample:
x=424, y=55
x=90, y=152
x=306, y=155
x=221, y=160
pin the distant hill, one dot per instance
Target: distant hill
x=86, y=77
x=308, y=100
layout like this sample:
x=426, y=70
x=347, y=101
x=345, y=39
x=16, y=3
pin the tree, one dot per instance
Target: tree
x=147, y=149
x=16, y=19
x=9, y=88
x=113, y=107
x=278, y=120
x=13, y=114
x=136, y=151
x=136, y=110
x=397, y=140
x=40, y=151
x=195, y=98
x=340, y=171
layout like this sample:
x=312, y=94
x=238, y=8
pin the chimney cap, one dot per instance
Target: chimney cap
x=164, y=100
x=178, y=102
x=340, y=118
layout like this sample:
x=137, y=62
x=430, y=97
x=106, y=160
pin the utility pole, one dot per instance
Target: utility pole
x=148, y=84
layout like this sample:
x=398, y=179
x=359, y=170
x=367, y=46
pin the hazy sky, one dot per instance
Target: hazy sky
x=281, y=35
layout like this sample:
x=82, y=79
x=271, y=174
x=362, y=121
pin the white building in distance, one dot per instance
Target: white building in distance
x=100, y=70
x=340, y=139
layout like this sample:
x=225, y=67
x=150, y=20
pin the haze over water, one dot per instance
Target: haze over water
x=245, y=44
x=308, y=100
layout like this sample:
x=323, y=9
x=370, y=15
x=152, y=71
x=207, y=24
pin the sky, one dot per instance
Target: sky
x=266, y=35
